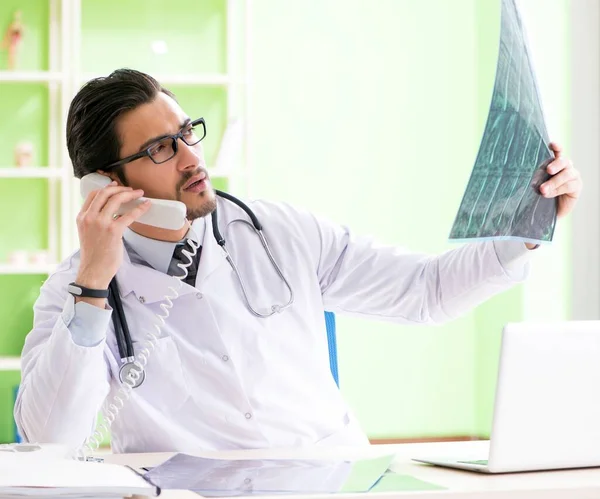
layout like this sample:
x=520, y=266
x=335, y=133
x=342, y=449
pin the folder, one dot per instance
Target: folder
x=42, y=474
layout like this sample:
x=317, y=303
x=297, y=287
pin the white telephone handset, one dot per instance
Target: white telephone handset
x=162, y=213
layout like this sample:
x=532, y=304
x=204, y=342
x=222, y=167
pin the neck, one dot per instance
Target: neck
x=160, y=234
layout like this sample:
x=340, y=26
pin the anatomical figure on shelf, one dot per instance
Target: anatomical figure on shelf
x=23, y=154
x=13, y=38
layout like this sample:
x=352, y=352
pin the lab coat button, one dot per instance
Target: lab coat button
x=199, y=296
x=248, y=415
x=247, y=481
x=225, y=358
x=142, y=299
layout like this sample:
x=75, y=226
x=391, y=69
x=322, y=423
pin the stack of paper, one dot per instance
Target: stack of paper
x=42, y=476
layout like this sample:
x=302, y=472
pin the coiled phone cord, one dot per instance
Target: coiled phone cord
x=112, y=409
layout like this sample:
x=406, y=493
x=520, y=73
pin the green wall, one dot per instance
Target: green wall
x=121, y=34
x=371, y=113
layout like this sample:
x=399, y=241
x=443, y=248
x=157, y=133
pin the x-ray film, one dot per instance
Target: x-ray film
x=502, y=199
x=241, y=477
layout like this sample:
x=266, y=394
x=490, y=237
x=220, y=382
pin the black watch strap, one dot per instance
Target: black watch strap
x=83, y=292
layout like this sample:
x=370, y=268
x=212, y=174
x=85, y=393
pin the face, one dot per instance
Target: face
x=183, y=177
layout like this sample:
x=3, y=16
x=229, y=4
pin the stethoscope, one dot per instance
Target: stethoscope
x=122, y=333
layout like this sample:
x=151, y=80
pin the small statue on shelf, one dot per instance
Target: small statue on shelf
x=12, y=39
x=23, y=154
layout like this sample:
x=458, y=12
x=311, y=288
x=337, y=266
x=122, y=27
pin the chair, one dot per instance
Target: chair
x=331, y=341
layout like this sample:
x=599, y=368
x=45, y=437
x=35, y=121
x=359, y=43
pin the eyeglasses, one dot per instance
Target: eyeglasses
x=166, y=148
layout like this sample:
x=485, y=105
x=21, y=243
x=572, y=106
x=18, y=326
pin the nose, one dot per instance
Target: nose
x=188, y=157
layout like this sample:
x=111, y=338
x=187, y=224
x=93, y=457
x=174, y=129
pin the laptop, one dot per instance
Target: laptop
x=547, y=404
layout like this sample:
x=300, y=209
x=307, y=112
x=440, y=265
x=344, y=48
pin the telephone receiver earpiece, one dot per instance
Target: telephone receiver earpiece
x=165, y=214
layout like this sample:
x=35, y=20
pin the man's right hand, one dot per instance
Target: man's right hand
x=100, y=235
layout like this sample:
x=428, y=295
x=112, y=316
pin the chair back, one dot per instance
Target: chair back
x=331, y=340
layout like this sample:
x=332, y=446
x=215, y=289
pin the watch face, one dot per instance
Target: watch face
x=75, y=290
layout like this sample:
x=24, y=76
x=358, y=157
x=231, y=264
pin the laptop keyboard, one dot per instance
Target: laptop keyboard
x=481, y=462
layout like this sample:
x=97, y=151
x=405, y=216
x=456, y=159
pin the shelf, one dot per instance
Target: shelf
x=30, y=76
x=10, y=363
x=206, y=79
x=30, y=172
x=9, y=269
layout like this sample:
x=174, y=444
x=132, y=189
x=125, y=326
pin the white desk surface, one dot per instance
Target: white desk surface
x=572, y=484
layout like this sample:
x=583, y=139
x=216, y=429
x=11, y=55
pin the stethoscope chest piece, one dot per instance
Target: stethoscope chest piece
x=136, y=378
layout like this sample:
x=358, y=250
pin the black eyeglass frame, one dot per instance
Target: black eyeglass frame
x=175, y=138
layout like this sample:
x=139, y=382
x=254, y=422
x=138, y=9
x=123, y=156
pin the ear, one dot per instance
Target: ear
x=110, y=175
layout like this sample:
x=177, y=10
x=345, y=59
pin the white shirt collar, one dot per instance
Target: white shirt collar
x=158, y=254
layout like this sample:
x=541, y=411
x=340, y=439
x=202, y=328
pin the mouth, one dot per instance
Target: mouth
x=197, y=183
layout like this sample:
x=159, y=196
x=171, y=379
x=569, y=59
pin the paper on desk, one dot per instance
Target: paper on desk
x=366, y=473
x=31, y=475
x=224, y=477
x=502, y=199
x=393, y=482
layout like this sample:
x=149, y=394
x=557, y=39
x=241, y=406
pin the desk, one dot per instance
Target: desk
x=572, y=484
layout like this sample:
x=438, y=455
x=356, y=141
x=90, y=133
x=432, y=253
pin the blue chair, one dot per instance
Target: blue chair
x=333, y=363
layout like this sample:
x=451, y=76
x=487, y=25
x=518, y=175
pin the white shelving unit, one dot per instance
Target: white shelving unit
x=30, y=76
x=10, y=363
x=8, y=269
x=31, y=172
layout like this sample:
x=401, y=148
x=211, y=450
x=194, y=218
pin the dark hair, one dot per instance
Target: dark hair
x=92, y=138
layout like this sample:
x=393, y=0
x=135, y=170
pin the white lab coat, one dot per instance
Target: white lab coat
x=221, y=378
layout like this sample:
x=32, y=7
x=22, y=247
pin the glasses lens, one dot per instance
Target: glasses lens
x=162, y=150
x=194, y=133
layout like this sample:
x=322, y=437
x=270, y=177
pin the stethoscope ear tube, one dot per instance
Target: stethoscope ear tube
x=243, y=206
x=119, y=321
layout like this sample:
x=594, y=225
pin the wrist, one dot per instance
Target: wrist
x=89, y=290
x=92, y=281
x=531, y=246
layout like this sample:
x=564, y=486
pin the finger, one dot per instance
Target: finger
x=556, y=149
x=570, y=188
x=90, y=197
x=549, y=188
x=127, y=219
x=558, y=165
x=114, y=202
x=103, y=195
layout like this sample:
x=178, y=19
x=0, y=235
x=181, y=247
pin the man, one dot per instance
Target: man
x=219, y=376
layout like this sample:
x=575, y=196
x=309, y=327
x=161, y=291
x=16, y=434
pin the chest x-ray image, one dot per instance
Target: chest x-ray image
x=502, y=199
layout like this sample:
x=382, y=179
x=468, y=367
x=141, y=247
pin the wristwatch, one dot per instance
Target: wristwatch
x=83, y=292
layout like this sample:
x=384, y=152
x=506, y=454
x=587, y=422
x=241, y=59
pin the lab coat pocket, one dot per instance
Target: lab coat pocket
x=165, y=387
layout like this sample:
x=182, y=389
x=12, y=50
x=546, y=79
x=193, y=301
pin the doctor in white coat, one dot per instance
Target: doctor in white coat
x=220, y=377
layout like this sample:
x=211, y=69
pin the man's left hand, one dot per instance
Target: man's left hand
x=565, y=183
